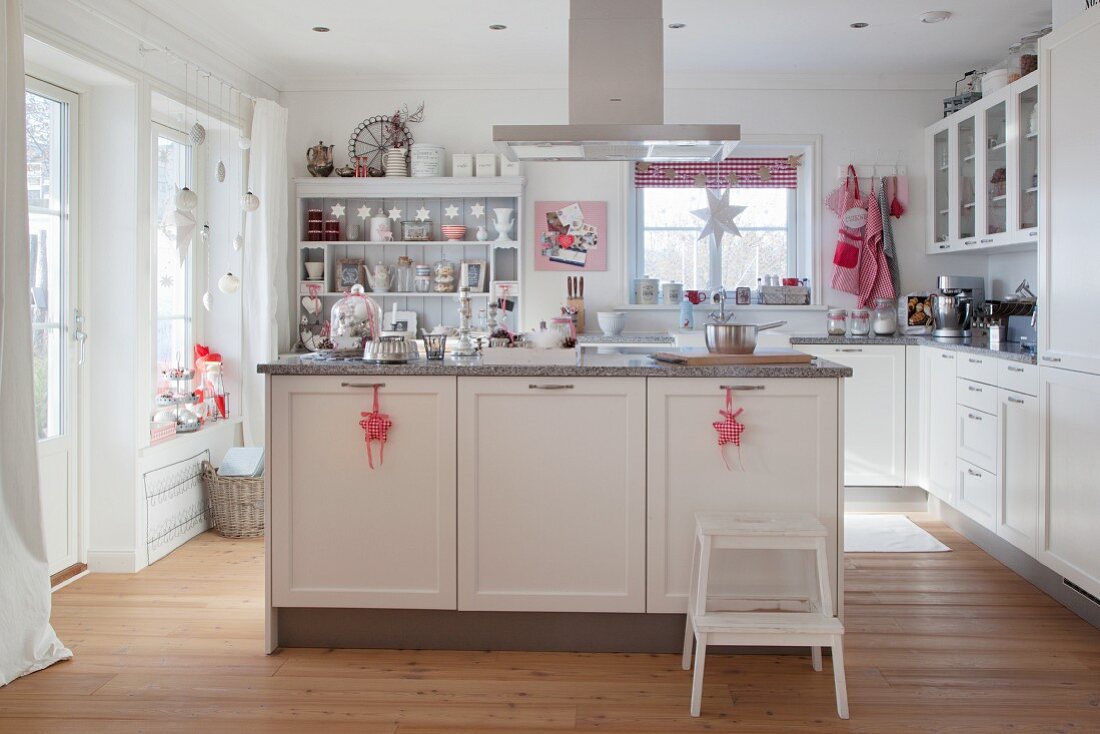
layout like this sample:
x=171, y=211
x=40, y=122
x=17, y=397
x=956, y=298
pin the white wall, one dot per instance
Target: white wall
x=1063, y=10
x=869, y=126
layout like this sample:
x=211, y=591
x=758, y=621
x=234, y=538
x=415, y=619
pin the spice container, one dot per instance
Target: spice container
x=885, y=321
x=861, y=322
x=422, y=279
x=443, y=277
x=416, y=231
x=837, y=322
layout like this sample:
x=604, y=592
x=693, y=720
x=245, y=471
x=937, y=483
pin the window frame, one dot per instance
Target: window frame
x=803, y=224
x=193, y=264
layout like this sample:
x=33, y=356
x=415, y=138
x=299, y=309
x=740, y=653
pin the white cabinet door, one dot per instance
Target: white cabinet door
x=788, y=462
x=1069, y=505
x=346, y=535
x=941, y=437
x=551, y=494
x=976, y=494
x=977, y=437
x=874, y=412
x=1018, y=480
x=1069, y=257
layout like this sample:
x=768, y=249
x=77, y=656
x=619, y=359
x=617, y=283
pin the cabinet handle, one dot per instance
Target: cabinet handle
x=1015, y=369
x=973, y=473
x=1051, y=359
x=970, y=242
x=943, y=247
x=849, y=350
x=1033, y=233
x=986, y=241
x=973, y=417
x=1015, y=400
x=362, y=384
x=549, y=387
x=971, y=388
x=740, y=387
x=971, y=360
x=948, y=356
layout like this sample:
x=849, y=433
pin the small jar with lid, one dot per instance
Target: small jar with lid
x=861, y=321
x=444, y=277
x=836, y=322
x=1012, y=62
x=885, y=319
x=422, y=279
x=1029, y=53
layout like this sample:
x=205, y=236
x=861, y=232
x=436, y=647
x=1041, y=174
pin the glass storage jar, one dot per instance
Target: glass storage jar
x=1029, y=53
x=861, y=322
x=422, y=279
x=403, y=280
x=885, y=319
x=837, y=322
x=354, y=319
x=444, y=277
x=416, y=231
x=1012, y=62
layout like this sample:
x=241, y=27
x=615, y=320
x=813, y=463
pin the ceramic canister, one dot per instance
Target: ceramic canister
x=426, y=159
x=645, y=291
x=673, y=293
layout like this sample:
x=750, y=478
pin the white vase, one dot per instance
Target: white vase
x=502, y=223
x=482, y=234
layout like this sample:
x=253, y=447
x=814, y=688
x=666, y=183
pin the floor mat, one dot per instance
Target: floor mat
x=874, y=533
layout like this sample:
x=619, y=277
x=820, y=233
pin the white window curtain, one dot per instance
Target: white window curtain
x=27, y=641
x=264, y=267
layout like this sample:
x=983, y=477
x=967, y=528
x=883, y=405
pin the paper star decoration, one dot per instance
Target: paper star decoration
x=451, y=211
x=337, y=210
x=166, y=281
x=180, y=226
x=395, y=214
x=719, y=216
x=794, y=161
x=669, y=173
x=423, y=214
x=734, y=179
x=643, y=167
x=700, y=180
x=364, y=212
x=477, y=211
x=764, y=173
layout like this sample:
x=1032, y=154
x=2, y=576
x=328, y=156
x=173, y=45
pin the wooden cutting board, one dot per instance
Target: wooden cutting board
x=702, y=358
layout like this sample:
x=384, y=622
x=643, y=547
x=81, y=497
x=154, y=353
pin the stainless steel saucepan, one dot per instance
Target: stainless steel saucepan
x=735, y=338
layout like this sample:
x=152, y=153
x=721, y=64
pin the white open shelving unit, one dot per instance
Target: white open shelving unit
x=503, y=258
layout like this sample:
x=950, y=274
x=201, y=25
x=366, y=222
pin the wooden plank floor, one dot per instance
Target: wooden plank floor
x=939, y=642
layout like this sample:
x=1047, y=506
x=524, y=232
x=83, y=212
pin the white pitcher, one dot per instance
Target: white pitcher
x=503, y=222
x=380, y=279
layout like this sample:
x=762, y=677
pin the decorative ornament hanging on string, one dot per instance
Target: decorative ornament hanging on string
x=643, y=167
x=477, y=211
x=207, y=301
x=794, y=161
x=423, y=215
x=729, y=430
x=669, y=173
x=451, y=211
x=337, y=210
x=733, y=179
x=363, y=212
x=186, y=199
x=238, y=243
x=219, y=172
x=395, y=214
x=166, y=281
x=376, y=426
x=205, y=234
x=719, y=216
x=700, y=181
x=250, y=202
x=179, y=225
x=229, y=283
x=764, y=173
x=197, y=133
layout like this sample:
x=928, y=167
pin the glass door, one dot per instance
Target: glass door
x=1027, y=210
x=995, y=176
x=941, y=185
x=57, y=346
x=968, y=204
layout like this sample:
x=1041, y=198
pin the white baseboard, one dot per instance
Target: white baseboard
x=885, y=499
x=116, y=560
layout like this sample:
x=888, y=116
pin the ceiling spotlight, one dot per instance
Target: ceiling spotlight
x=321, y=29
x=859, y=25
x=497, y=27
x=935, y=16
x=677, y=26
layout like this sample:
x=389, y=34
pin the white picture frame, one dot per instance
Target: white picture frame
x=474, y=273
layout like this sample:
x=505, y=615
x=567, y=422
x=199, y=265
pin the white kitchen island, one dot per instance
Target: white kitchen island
x=530, y=499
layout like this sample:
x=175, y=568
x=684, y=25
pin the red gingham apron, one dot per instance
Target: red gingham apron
x=849, y=243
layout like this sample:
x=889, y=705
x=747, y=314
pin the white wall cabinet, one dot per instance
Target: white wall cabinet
x=874, y=412
x=1070, y=501
x=939, y=387
x=1068, y=254
x=787, y=463
x=1018, y=469
x=552, y=519
x=362, y=537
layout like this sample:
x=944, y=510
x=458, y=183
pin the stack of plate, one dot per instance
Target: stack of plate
x=454, y=231
x=394, y=162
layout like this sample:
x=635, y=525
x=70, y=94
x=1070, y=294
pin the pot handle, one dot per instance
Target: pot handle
x=771, y=325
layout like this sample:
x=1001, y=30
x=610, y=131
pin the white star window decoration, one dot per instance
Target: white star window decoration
x=718, y=216
x=364, y=212
x=395, y=214
x=337, y=210
x=477, y=211
x=451, y=211
x=166, y=281
x=423, y=215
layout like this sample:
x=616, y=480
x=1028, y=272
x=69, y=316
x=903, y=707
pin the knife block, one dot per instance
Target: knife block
x=578, y=318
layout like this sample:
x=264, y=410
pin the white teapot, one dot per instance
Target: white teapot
x=380, y=279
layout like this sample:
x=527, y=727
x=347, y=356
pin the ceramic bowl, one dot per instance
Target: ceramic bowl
x=454, y=231
x=611, y=322
x=315, y=270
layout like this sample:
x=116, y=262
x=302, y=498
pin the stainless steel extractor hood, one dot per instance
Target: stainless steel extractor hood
x=616, y=96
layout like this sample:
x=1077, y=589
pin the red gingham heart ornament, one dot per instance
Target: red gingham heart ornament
x=376, y=426
x=729, y=429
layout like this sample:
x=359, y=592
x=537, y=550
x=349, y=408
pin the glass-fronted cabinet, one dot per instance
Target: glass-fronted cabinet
x=966, y=139
x=941, y=188
x=1027, y=159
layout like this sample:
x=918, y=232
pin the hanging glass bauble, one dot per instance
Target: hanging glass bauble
x=186, y=199
x=244, y=143
x=219, y=172
x=206, y=235
x=197, y=133
x=238, y=243
x=250, y=202
x=229, y=283
x=207, y=301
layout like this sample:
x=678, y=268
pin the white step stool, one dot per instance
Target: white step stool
x=816, y=628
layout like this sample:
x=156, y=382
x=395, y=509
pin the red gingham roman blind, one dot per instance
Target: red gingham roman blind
x=747, y=170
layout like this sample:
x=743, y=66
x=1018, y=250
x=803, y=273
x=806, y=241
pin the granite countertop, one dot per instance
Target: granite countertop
x=974, y=345
x=627, y=338
x=549, y=363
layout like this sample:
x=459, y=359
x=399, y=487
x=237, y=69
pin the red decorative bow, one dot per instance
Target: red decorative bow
x=376, y=426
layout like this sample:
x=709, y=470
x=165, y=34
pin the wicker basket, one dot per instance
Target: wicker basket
x=236, y=503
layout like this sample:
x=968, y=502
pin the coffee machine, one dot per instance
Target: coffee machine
x=960, y=297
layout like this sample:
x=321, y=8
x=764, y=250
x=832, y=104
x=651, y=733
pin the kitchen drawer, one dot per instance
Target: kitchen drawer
x=977, y=494
x=977, y=436
x=976, y=395
x=978, y=368
x=1018, y=377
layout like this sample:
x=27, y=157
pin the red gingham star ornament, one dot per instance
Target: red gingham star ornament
x=729, y=429
x=376, y=426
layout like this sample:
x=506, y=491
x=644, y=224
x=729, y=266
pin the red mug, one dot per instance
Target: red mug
x=696, y=297
x=792, y=281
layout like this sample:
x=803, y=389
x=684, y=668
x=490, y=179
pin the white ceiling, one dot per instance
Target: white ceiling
x=375, y=39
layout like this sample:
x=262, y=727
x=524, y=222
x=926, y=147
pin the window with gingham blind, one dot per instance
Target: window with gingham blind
x=747, y=173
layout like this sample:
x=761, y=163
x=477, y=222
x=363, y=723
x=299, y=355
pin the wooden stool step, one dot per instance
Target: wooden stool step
x=768, y=623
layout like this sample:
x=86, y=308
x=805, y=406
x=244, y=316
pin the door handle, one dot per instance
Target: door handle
x=79, y=335
x=1051, y=359
x=1015, y=369
x=1015, y=400
x=362, y=384
x=948, y=356
x=973, y=417
x=973, y=473
x=741, y=387
x=849, y=350
x=971, y=388
x=549, y=387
